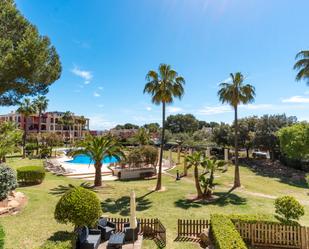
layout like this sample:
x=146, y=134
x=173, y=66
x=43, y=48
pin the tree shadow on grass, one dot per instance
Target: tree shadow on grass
x=61, y=236
x=220, y=199
x=284, y=174
x=122, y=204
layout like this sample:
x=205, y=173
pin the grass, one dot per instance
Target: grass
x=35, y=224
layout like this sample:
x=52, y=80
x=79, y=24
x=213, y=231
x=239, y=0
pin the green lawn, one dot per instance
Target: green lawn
x=36, y=224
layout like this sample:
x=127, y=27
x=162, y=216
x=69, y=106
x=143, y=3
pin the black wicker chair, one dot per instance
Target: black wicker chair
x=106, y=227
x=131, y=234
x=88, y=238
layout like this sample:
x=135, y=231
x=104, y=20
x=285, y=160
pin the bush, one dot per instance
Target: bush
x=1, y=237
x=225, y=234
x=78, y=206
x=288, y=210
x=31, y=174
x=142, y=155
x=253, y=218
x=8, y=181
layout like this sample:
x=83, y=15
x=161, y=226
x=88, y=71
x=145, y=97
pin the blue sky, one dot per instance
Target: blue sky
x=107, y=47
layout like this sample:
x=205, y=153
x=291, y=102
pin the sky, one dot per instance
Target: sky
x=108, y=46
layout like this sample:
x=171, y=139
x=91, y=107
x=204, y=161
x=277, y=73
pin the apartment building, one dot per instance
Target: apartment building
x=50, y=122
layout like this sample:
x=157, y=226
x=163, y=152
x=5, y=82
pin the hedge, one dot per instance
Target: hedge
x=225, y=234
x=31, y=174
x=1, y=237
x=253, y=218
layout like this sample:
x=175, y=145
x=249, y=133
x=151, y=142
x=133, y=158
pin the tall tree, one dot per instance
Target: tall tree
x=235, y=93
x=26, y=109
x=302, y=66
x=164, y=86
x=41, y=104
x=28, y=61
x=10, y=137
x=98, y=148
x=67, y=121
x=182, y=123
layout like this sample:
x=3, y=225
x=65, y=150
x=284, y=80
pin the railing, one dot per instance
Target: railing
x=191, y=228
x=274, y=235
x=150, y=228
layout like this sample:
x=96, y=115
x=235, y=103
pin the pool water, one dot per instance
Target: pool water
x=84, y=159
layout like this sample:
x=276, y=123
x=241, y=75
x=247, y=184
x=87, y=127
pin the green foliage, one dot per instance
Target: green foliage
x=294, y=140
x=127, y=126
x=78, y=206
x=10, y=137
x=2, y=235
x=28, y=61
x=31, y=174
x=142, y=137
x=253, y=218
x=302, y=66
x=152, y=127
x=225, y=234
x=144, y=155
x=182, y=123
x=222, y=135
x=98, y=148
x=8, y=181
x=288, y=209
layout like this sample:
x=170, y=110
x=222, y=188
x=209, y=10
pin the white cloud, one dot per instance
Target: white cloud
x=148, y=108
x=99, y=122
x=100, y=88
x=86, y=75
x=173, y=109
x=211, y=110
x=296, y=99
x=95, y=94
x=257, y=106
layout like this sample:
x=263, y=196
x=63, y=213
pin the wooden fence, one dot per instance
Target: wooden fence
x=258, y=234
x=150, y=228
x=191, y=228
x=274, y=235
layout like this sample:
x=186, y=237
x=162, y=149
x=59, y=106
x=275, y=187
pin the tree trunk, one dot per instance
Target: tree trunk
x=185, y=169
x=178, y=155
x=236, y=177
x=159, y=181
x=247, y=153
x=197, y=183
x=98, y=174
x=24, y=137
x=39, y=132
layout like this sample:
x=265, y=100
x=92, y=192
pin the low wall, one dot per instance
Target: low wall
x=134, y=173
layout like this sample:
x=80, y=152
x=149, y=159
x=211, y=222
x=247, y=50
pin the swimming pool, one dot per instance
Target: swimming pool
x=84, y=159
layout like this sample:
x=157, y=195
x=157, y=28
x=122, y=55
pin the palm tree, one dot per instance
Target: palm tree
x=195, y=160
x=164, y=86
x=67, y=121
x=98, y=148
x=234, y=93
x=41, y=104
x=142, y=136
x=302, y=65
x=26, y=109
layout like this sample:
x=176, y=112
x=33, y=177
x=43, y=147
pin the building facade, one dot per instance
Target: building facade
x=50, y=122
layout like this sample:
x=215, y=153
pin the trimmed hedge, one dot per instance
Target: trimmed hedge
x=2, y=235
x=225, y=234
x=31, y=174
x=253, y=218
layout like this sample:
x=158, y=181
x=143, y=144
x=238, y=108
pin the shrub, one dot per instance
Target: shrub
x=1, y=237
x=31, y=174
x=142, y=155
x=288, y=209
x=78, y=206
x=225, y=234
x=253, y=218
x=8, y=181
